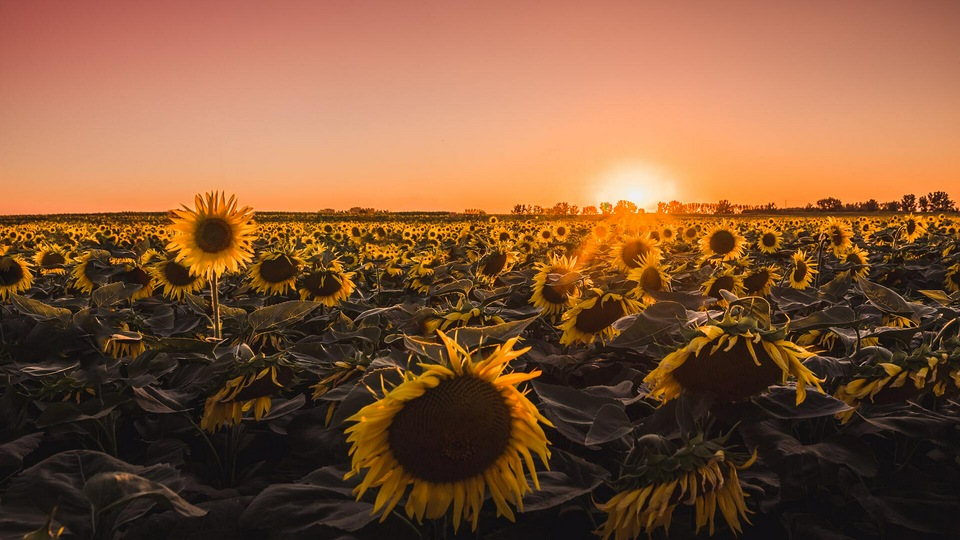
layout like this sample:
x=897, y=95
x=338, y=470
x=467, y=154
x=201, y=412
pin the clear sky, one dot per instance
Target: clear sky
x=301, y=105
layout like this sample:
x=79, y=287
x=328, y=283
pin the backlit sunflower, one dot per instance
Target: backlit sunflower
x=561, y=293
x=649, y=277
x=728, y=279
x=732, y=360
x=701, y=474
x=802, y=272
x=758, y=281
x=175, y=278
x=275, y=272
x=900, y=378
x=84, y=273
x=52, y=259
x=857, y=257
x=497, y=260
x=594, y=317
x=328, y=285
x=838, y=233
x=249, y=388
x=912, y=228
x=627, y=255
x=769, y=241
x=724, y=242
x=214, y=237
x=451, y=433
x=15, y=275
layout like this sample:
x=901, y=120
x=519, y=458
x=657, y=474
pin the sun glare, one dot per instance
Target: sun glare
x=641, y=183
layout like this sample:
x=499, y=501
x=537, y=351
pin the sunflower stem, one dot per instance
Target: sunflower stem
x=215, y=301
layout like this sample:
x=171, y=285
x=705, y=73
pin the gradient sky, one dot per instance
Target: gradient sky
x=120, y=105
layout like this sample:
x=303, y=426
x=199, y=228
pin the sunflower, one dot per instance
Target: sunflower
x=215, y=237
x=594, y=317
x=801, y=275
x=887, y=382
x=858, y=258
x=649, y=276
x=728, y=279
x=275, y=272
x=560, y=295
x=15, y=275
x=769, y=241
x=628, y=254
x=135, y=274
x=722, y=241
x=691, y=234
x=732, y=360
x=249, y=388
x=912, y=228
x=496, y=261
x=451, y=433
x=758, y=281
x=175, y=278
x=952, y=280
x=838, y=233
x=123, y=344
x=701, y=474
x=51, y=260
x=84, y=275
x=465, y=314
x=329, y=286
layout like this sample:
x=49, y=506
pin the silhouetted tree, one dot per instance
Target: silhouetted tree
x=830, y=204
x=923, y=203
x=589, y=211
x=939, y=201
x=625, y=207
x=908, y=203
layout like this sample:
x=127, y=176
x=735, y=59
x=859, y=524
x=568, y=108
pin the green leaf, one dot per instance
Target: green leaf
x=885, y=299
x=109, y=295
x=833, y=316
x=280, y=315
x=114, y=490
x=37, y=310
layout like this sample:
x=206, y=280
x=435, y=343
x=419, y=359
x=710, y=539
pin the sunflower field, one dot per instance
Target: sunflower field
x=215, y=373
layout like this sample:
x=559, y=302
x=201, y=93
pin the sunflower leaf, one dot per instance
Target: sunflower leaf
x=279, y=315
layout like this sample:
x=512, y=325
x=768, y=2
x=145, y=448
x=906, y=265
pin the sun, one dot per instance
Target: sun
x=642, y=183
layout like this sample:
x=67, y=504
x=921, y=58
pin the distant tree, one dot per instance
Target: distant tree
x=939, y=201
x=661, y=207
x=589, y=211
x=519, y=209
x=606, y=208
x=676, y=207
x=893, y=206
x=908, y=203
x=537, y=209
x=830, y=204
x=924, y=204
x=870, y=206
x=625, y=207
x=723, y=207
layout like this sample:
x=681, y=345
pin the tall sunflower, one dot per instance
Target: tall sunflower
x=732, y=360
x=15, y=276
x=450, y=434
x=275, y=272
x=701, y=473
x=594, y=317
x=801, y=275
x=215, y=236
x=723, y=241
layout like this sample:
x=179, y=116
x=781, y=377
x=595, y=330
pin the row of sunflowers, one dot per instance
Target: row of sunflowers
x=295, y=376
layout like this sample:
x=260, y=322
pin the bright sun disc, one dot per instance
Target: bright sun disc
x=641, y=183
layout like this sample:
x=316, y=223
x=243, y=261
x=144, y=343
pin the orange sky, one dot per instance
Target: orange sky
x=123, y=105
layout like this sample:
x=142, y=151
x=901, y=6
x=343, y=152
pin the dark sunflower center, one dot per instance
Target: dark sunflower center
x=955, y=277
x=722, y=282
x=322, y=284
x=10, y=271
x=730, y=375
x=454, y=431
x=655, y=235
x=911, y=226
x=854, y=258
x=556, y=294
x=561, y=231
x=633, y=251
x=52, y=258
x=768, y=240
x=838, y=238
x=214, y=235
x=757, y=281
x=277, y=270
x=799, y=271
x=600, y=316
x=504, y=236
x=722, y=242
x=177, y=274
x=494, y=264
x=545, y=235
x=650, y=280
x=137, y=276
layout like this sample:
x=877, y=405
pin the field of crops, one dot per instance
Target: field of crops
x=202, y=375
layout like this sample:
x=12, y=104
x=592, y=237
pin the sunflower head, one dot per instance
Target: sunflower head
x=659, y=477
x=649, y=277
x=891, y=377
x=593, y=317
x=248, y=386
x=802, y=272
x=275, y=272
x=769, y=241
x=723, y=242
x=733, y=359
x=450, y=433
x=628, y=255
x=52, y=259
x=215, y=236
x=555, y=286
x=15, y=275
x=175, y=278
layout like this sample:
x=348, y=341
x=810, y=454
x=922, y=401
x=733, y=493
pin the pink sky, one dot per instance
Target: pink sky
x=119, y=105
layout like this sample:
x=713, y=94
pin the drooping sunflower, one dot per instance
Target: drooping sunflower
x=250, y=387
x=560, y=294
x=627, y=255
x=770, y=241
x=451, y=433
x=701, y=473
x=15, y=275
x=952, y=279
x=594, y=317
x=123, y=343
x=722, y=241
x=275, y=272
x=175, y=278
x=52, y=259
x=649, y=277
x=135, y=274
x=899, y=378
x=802, y=272
x=732, y=359
x=464, y=314
x=758, y=281
x=859, y=259
x=328, y=285
x=214, y=237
